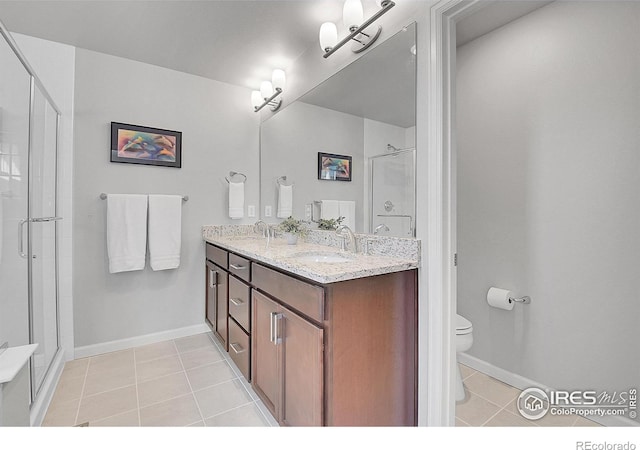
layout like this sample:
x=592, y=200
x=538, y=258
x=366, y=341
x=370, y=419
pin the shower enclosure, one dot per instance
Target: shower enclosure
x=393, y=193
x=29, y=123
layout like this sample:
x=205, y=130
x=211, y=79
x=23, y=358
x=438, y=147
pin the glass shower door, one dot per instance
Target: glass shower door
x=15, y=84
x=393, y=190
x=42, y=236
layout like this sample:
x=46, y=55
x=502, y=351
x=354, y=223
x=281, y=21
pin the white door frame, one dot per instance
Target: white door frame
x=439, y=280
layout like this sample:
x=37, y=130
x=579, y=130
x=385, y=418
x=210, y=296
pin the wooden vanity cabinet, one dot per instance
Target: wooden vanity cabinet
x=287, y=369
x=216, y=306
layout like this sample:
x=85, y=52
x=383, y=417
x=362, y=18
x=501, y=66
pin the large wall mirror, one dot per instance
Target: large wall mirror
x=365, y=116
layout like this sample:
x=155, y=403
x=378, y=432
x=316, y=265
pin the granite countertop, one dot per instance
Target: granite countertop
x=279, y=254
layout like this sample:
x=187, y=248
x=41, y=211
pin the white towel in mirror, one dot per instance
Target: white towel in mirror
x=285, y=201
x=165, y=231
x=330, y=209
x=347, y=209
x=236, y=200
x=126, y=232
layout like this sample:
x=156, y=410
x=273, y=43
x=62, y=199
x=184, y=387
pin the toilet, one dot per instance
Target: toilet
x=464, y=340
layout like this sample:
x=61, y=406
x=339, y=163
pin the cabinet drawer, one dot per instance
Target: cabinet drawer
x=301, y=296
x=240, y=267
x=239, y=348
x=217, y=255
x=239, y=302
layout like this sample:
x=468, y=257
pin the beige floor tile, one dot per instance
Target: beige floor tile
x=61, y=414
x=461, y=423
x=266, y=413
x=68, y=388
x=187, y=344
x=493, y=390
x=107, y=404
x=506, y=419
x=201, y=357
x=76, y=368
x=180, y=411
x=163, y=388
x=155, y=351
x=111, y=360
x=107, y=378
x=158, y=368
x=222, y=397
x=466, y=371
x=244, y=416
x=200, y=423
x=584, y=422
x=476, y=410
x=209, y=375
x=127, y=419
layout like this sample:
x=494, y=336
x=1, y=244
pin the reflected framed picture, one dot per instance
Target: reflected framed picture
x=334, y=167
x=134, y=144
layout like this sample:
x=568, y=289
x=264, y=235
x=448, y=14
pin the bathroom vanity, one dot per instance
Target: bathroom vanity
x=322, y=343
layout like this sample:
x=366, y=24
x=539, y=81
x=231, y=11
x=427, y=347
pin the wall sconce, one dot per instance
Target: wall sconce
x=268, y=92
x=352, y=14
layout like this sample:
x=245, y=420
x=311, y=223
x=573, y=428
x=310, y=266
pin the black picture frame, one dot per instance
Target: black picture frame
x=334, y=167
x=135, y=144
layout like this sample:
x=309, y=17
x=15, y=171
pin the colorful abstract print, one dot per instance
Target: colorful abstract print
x=149, y=146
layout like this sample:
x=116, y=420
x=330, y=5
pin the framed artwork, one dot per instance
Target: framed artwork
x=334, y=167
x=134, y=144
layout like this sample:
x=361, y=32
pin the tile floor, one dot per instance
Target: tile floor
x=492, y=403
x=182, y=382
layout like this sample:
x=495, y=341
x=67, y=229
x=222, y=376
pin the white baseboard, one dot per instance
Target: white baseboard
x=123, y=344
x=520, y=382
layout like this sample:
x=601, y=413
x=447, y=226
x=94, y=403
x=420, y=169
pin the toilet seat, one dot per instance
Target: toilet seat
x=463, y=326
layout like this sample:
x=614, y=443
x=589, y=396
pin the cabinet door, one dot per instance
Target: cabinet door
x=211, y=292
x=302, y=344
x=222, y=308
x=265, y=353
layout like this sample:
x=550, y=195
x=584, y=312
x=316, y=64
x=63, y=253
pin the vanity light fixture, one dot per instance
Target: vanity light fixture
x=268, y=92
x=352, y=14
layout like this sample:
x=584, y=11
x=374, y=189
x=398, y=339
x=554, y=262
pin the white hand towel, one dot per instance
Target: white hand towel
x=165, y=230
x=347, y=210
x=126, y=232
x=330, y=209
x=285, y=201
x=236, y=200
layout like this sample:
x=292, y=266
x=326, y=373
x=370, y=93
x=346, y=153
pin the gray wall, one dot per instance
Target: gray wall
x=220, y=133
x=548, y=183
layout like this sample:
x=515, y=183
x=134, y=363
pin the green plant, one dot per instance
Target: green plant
x=294, y=226
x=330, y=224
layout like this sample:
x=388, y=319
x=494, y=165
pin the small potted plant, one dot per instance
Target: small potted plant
x=292, y=228
x=330, y=224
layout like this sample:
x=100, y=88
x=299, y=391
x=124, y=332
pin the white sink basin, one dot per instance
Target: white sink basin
x=322, y=257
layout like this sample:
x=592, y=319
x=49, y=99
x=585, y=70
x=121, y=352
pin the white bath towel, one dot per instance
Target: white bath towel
x=330, y=209
x=236, y=200
x=347, y=209
x=285, y=201
x=126, y=232
x=165, y=230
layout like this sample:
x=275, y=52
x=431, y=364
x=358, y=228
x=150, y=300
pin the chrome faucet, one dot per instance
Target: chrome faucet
x=265, y=228
x=352, y=238
x=380, y=227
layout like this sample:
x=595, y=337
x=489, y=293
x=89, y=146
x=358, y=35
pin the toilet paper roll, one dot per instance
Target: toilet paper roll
x=499, y=298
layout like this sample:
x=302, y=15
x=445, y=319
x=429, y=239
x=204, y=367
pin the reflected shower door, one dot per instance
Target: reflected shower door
x=42, y=236
x=14, y=194
x=393, y=191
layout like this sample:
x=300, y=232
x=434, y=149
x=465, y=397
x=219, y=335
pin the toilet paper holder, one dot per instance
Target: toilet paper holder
x=524, y=300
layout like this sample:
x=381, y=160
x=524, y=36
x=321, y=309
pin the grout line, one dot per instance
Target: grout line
x=112, y=415
x=84, y=383
x=193, y=395
x=228, y=410
x=135, y=377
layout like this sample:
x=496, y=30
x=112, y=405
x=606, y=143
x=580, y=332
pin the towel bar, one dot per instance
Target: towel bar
x=232, y=174
x=185, y=198
x=283, y=178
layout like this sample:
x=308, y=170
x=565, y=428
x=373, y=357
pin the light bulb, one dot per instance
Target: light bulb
x=328, y=36
x=266, y=89
x=256, y=99
x=278, y=79
x=352, y=14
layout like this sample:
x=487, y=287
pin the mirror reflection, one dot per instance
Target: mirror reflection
x=345, y=151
